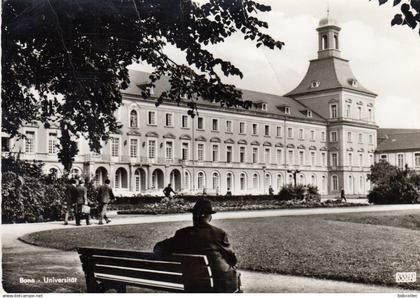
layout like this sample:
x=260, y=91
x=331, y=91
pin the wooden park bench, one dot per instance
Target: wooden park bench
x=114, y=269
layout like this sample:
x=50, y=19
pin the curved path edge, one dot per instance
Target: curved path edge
x=17, y=255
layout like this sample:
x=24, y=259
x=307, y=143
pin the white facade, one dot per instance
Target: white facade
x=328, y=134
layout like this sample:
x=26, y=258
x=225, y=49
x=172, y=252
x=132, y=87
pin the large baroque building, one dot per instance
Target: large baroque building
x=325, y=128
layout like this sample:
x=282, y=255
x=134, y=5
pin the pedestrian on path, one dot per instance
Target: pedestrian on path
x=343, y=195
x=167, y=191
x=82, y=204
x=70, y=199
x=104, y=197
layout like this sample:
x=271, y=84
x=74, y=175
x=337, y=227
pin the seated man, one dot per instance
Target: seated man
x=203, y=238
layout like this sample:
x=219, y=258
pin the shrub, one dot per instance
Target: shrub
x=313, y=194
x=28, y=195
x=21, y=203
x=290, y=192
x=393, y=185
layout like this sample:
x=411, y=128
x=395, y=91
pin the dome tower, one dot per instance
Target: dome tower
x=329, y=38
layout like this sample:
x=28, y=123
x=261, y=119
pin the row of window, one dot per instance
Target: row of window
x=134, y=148
x=350, y=160
x=253, y=182
x=30, y=142
x=348, y=113
x=121, y=181
x=215, y=125
x=400, y=162
x=335, y=138
x=216, y=153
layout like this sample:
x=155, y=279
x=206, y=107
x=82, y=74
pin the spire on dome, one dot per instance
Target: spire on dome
x=328, y=31
x=328, y=21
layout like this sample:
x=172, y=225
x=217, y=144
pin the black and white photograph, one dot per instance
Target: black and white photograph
x=210, y=146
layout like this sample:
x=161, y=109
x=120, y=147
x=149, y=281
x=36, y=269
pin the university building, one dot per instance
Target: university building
x=400, y=147
x=324, y=128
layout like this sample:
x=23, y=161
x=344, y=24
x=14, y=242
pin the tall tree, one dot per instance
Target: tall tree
x=65, y=62
x=410, y=13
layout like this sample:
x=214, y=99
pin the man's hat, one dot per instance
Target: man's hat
x=202, y=206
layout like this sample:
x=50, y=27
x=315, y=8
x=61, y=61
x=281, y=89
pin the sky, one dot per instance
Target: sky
x=384, y=59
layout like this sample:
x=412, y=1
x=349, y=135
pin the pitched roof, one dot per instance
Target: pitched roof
x=274, y=102
x=331, y=73
x=400, y=140
x=384, y=132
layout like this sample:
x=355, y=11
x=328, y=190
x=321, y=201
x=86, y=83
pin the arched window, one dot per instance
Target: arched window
x=301, y=179
x=229, y=181
x=121, y=178
x=133, y=118
x=267, y=180
x=255, y=181
x=334, y=182
x=313, y=180
x=242, y=181
x=290, y=179
x=137, y=180
x=54, y=172
x=279, y=181
x=187, y=178
x=336, y=42
x=200, y=180
x=324, y=42
x=362, y=185
x=215, y=180
x=324, y=183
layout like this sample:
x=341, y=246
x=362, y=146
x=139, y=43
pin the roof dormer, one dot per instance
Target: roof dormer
x=353, y=83
x=261, y=105
x=315, y=84
x=285, y=109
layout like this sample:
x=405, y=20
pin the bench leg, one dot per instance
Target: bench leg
x=88, y=268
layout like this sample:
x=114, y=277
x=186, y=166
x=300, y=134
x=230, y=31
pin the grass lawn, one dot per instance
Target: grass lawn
x=368, y=247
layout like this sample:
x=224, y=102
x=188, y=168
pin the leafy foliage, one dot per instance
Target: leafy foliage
x=20, y=167
x=392, y=185
x=410, y=13
x=290, y=192
x=382, y=172
x=65, y=62
x=32, y=201
x=27, y=194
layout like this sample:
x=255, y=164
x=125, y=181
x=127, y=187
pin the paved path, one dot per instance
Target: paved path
x=23, y=260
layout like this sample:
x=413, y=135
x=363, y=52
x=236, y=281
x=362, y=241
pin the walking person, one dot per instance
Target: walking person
x=104, y=197
x=168, y=190
x=82, y=204
x=70, y=199
x=343, y=195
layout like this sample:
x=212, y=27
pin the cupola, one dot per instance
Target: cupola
x=329, y=38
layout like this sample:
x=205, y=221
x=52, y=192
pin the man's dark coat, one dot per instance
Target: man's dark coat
x=207, y=240
x=105, y=194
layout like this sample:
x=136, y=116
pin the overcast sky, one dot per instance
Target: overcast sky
x=385, y=59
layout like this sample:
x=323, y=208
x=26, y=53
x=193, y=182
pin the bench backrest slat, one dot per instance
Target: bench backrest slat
x=139, y=263
x=193, y=260
x=179, y=272
x=129, y=272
